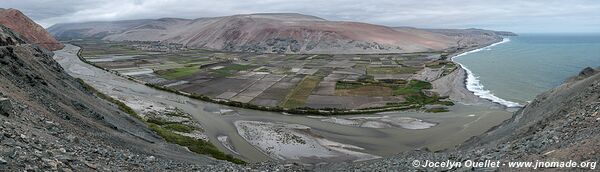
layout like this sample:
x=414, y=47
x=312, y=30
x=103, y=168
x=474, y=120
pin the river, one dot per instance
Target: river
x=453, y=128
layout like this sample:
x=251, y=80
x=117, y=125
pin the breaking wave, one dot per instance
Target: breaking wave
x=475, y=86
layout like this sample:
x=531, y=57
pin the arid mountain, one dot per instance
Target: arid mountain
x=28, y=29
x=270, y=33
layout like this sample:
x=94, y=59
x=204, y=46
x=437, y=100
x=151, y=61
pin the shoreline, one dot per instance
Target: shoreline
x=474, y=87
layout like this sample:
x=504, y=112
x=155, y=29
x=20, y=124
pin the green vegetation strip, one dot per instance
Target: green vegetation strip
x=179, y=127
x=178, y=72
x=392, y=70
x=195, y=145
x=166, y=131
x=122, y=106
x=436, y=110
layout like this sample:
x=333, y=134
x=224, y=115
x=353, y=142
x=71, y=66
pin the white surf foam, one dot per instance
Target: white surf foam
x=474, y=85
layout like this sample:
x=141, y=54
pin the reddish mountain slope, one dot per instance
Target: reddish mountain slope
x=28, y=29
x=268, y=33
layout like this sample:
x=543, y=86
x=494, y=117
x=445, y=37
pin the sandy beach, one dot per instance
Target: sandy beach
x=454, y=85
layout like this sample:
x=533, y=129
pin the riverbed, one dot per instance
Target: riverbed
x=397, y=132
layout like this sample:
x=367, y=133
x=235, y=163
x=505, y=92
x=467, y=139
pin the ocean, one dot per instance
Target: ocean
x=514, y=71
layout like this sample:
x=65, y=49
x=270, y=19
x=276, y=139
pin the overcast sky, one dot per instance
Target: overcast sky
x=511, y=15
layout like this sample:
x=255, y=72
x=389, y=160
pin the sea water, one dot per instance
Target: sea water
x=514, y=71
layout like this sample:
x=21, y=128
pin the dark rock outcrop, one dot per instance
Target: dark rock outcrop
x=9, y=38
x=588, y=71
x=585, y=73
x=5, y=106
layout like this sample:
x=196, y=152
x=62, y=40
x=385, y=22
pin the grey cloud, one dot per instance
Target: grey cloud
x=514, y=15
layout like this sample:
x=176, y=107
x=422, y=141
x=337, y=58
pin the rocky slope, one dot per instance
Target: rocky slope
x=50, y=121
x=270, y=33
x=28, y=29
x=559, y=125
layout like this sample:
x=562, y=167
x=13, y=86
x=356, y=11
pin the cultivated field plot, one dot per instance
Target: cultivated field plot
x=278, y=80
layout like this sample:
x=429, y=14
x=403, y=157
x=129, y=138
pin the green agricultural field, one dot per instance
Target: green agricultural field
x=297, y=97
x=178, y=72
x=440, y=64
x=412, y=87
x=348, y=85
x=413, y=93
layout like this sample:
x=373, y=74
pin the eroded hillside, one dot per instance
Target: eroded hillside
x=28, y=29
x=266, y=33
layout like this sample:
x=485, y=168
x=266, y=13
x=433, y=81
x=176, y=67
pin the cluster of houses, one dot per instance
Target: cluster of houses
x=156, y=46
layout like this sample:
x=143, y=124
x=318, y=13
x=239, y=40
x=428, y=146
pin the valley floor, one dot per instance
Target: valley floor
x=300, y=83
x=381, y=134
